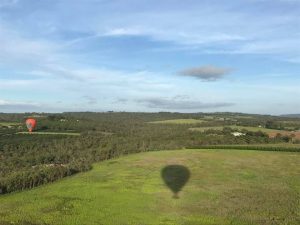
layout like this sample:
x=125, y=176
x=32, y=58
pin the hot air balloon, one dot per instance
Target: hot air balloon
x=31, y=124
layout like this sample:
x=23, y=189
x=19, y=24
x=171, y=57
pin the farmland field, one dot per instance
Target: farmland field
x=222, y=187
x=253, y=129
x=270, y=132
x=9, y=124
x=50, y=133
x=179, y=121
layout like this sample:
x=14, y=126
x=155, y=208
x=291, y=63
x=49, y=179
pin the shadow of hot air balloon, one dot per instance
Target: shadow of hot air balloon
x=175, y=177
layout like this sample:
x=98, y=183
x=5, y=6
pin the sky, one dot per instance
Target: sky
x=150, y=56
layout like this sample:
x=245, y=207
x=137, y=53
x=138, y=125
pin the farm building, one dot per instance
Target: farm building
x=237, y=134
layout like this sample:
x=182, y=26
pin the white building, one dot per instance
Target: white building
x=237, y=134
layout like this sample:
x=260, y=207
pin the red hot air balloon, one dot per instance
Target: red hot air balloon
x=31, y=124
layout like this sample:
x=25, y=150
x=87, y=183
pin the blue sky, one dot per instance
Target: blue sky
x=139, y=55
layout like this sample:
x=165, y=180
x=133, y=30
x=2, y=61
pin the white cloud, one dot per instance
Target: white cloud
x=7, y=102
x=124, y=32
x=25, y=51
x=217, y=27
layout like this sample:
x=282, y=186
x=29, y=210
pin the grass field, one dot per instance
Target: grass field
x=9, y=124
x=222, y=187
x=49, y=133
x=284, y=145
x=179, y=121
x=270, y=132
x=254, y=129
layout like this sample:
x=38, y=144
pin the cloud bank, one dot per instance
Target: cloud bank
x=13, y=106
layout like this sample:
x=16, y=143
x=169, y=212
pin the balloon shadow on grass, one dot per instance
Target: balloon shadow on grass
x=175, y=177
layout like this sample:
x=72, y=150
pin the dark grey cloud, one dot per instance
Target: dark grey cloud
x=13, y=106
x=121, y=100
x=181, y=97
x=18, y=108
x=175, y=104
x=90, y=100
x=206, y=73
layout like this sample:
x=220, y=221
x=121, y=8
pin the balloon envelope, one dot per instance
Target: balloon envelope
x=31, y=124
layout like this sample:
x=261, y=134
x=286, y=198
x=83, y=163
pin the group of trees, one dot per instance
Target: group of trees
x=27, y=161
x=38, y=175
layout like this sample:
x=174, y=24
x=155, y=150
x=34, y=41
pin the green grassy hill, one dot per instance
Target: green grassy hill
x=224, y=187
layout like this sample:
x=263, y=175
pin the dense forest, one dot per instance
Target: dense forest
x=29, y=160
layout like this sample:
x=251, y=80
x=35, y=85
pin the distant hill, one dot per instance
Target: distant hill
x=292, y=115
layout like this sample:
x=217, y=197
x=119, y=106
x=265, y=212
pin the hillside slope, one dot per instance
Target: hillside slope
x=218, y=187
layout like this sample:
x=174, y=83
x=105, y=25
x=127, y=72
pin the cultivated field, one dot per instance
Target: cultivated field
x=217, y=187
x=49, y=133
x=9, y=124
x=253, y=129
x=179, y=121
x=271, y=132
